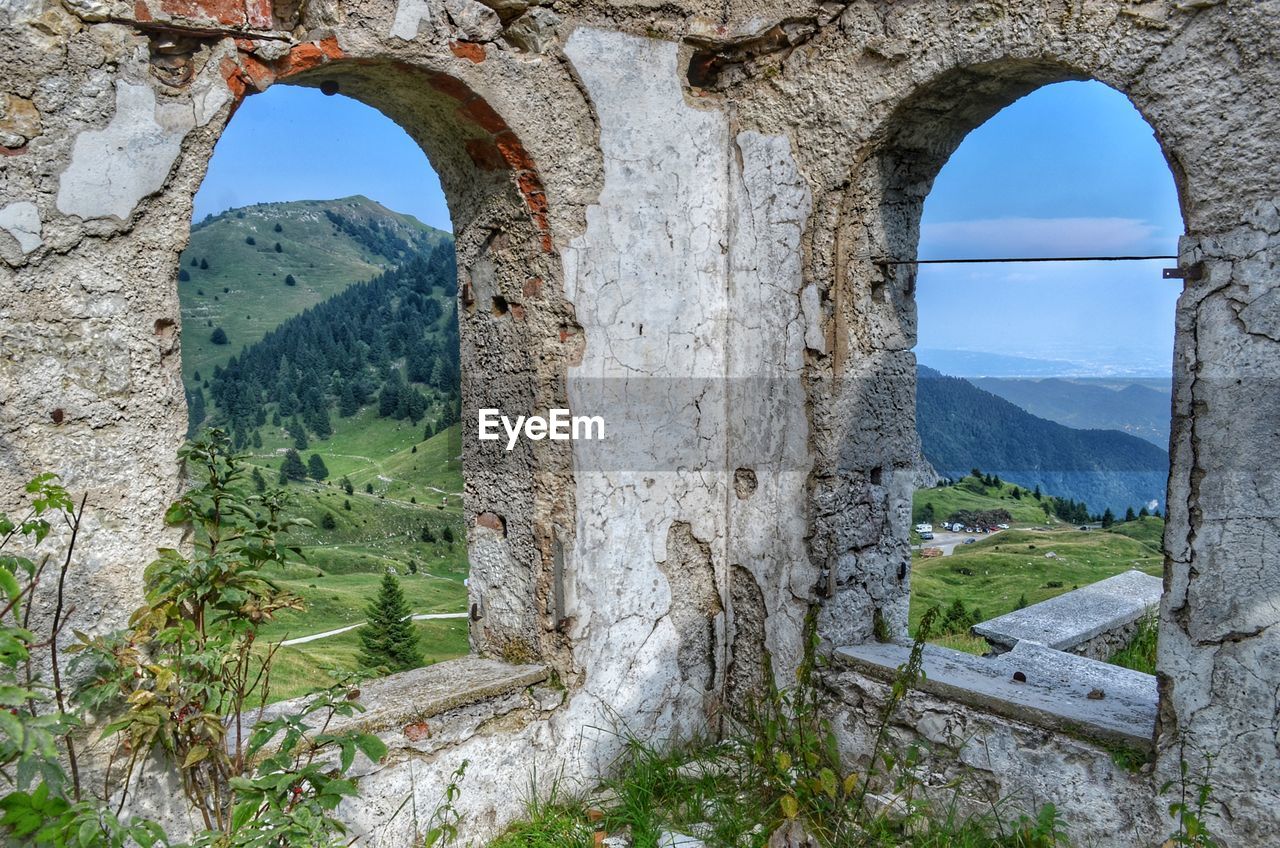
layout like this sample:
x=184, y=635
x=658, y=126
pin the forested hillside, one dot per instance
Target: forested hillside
x=392, y=340
x=962, y=426
x=323, y=335
x=1139, y=407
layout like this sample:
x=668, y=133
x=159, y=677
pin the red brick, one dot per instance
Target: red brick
x=313, y=54
x=468, y=50
x=492, y=521
x=481, y=113
x=532, y=287
x=417, y=731
x=485, y=154
x=513, y=151
x=450, y=87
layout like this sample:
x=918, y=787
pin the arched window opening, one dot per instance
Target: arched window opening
x=319, y=303
x=1043, y=389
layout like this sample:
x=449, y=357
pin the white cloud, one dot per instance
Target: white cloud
x=999, y=237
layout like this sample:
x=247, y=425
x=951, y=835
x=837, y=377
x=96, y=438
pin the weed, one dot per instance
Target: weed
x=1140, y=653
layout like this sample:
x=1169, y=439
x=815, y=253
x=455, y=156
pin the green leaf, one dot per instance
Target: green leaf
x=9, y=584
x=371, y=746
x=827, y=778
x=195, y=755
x=790, y=806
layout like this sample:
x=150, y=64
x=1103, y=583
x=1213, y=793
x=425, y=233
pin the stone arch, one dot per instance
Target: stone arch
x=512, y=321
x=875, y=330
x=869, y=409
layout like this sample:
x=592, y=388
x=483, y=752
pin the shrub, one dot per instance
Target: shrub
x=179, y=685
x=218, y=336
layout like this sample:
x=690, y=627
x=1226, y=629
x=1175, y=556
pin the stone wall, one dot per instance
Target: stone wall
x=680, y=206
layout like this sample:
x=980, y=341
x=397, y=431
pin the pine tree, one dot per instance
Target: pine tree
x=289, y=280
x=278, y=228
x=388, y=637
x=1130, y=515
x=292, y=468
x=219, y=336
x=259, y=482
x=183, y=276
x=427, y=535
x=328, y=522
x=1143, y=513
x=446, y=535
x=1108, y=518
x=299, y=435
x=204, y=264
x=316, y=469
x=346, y=485
x=347, y=403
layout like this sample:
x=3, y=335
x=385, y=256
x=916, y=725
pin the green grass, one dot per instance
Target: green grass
x=994, y=573
x=970, y=494
x=322, y=262
x=1140, y=653
x=302, y=669
x=336, y=600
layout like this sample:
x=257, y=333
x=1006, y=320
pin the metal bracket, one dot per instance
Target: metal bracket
x=1191, y=273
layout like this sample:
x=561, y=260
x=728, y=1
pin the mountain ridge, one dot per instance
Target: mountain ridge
x=962, y=426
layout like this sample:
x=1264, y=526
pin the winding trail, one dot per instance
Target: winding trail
x=429, y=616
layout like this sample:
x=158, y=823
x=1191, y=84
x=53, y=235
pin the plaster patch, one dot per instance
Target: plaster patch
x=115, y=167
x=22, y=221
x=409, y=17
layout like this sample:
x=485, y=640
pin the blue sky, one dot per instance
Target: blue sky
x=292, y=143
x=1070, y=169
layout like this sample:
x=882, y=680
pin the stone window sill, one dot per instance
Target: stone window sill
x=411, y=697
x=1055, y=694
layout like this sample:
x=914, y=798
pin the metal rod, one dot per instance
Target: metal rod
x=1019, y=259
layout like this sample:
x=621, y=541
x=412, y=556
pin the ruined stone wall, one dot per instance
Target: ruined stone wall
x=667, y=215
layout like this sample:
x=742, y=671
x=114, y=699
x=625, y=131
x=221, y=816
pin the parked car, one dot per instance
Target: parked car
x=970, y=540
x=926, y=536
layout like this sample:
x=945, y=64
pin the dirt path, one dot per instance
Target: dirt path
x=429, y=616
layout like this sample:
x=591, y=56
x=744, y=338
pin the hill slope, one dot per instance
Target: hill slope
x=962, y=426
x=326, y=245
x=354, y=366
x=1134, y=407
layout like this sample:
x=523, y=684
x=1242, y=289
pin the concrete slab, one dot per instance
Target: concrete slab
x=1077, y=616
x=1055, y=694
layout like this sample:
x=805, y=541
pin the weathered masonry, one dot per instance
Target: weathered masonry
x=678, y=207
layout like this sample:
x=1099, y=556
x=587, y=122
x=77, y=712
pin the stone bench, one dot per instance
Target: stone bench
x=1093, y=621
x=1031, y=684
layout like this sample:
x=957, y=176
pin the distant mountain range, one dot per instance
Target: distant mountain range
x=1139, y=407
x=1113, y=363
x=962, y=426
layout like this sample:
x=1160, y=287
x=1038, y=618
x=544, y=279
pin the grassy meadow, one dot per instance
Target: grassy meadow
x=998, y=573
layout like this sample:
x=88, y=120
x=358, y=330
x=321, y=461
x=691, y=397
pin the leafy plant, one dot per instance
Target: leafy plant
x=1191, y=806
x=186, y=675
x=444, y=821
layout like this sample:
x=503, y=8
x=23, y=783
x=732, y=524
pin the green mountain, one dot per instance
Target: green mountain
x=962, y=427
x=1139, y=407
x=233, y=277
x=339, y=343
